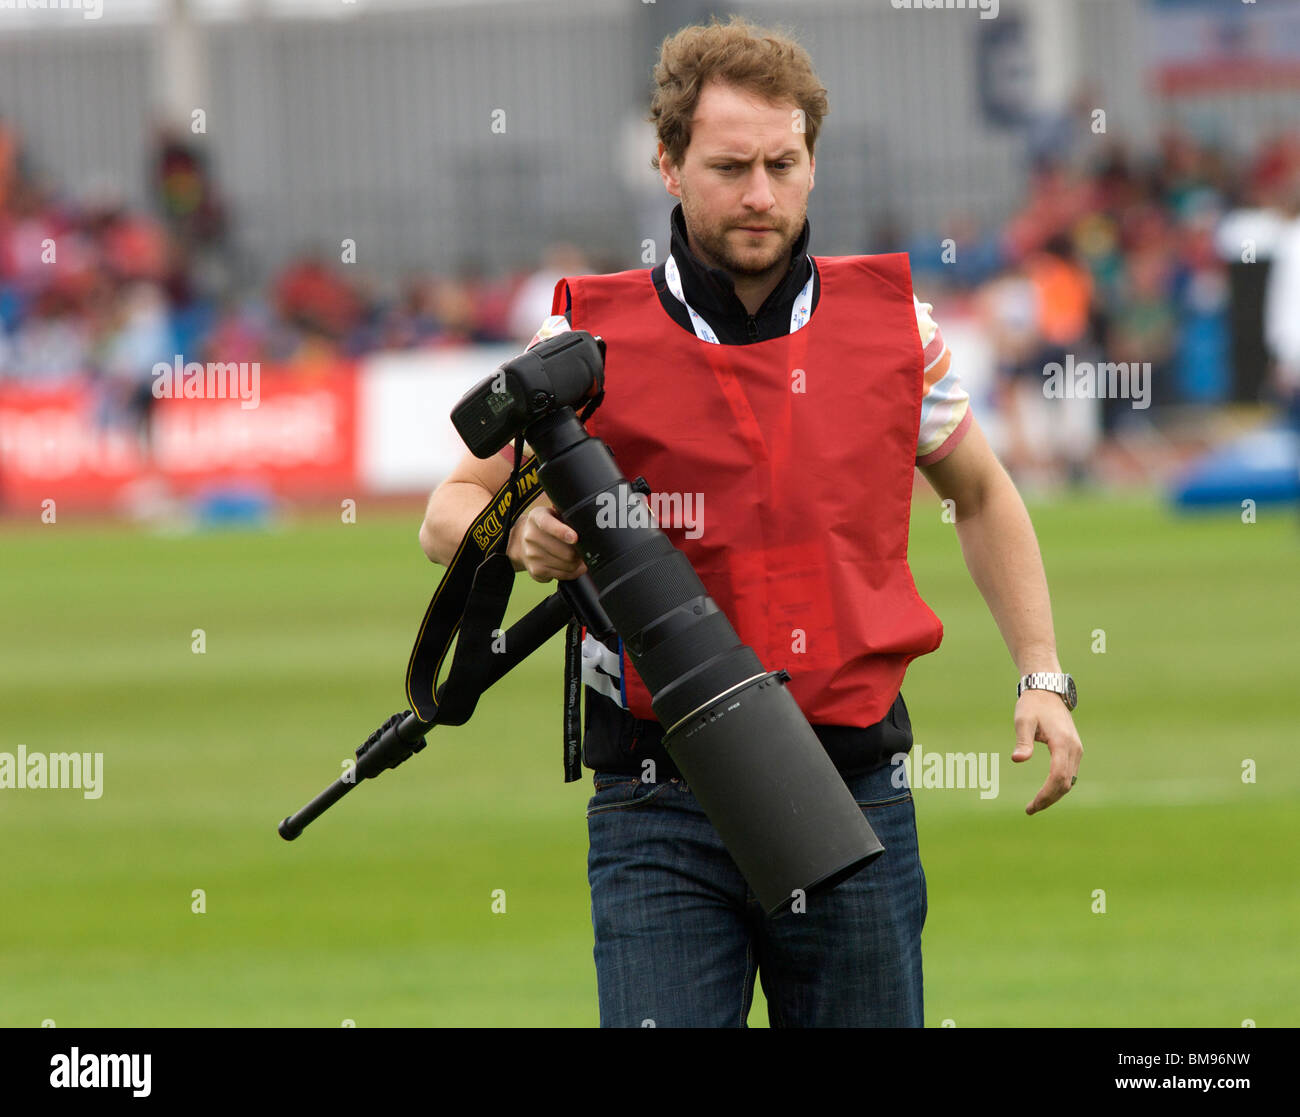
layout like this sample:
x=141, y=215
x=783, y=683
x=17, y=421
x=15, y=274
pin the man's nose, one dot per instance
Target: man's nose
x=758, y=191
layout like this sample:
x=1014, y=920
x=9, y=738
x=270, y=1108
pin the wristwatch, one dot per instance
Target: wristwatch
x=1057, y=683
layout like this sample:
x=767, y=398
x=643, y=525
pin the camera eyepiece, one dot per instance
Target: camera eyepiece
x=559, y=372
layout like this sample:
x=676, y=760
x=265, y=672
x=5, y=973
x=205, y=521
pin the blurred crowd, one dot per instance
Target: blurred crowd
x=1151, y=258
x=1126, y=255
x=90, y=284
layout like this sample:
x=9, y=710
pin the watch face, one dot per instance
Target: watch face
x=1071, y=693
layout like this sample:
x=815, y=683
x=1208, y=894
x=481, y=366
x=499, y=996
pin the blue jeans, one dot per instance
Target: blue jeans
x=680, y=936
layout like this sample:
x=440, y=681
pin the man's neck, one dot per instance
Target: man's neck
x=751, y=290
x=740, y=309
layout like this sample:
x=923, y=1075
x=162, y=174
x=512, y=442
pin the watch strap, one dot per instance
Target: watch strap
x=1056, y=681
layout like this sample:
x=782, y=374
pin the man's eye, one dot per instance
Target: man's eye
x=780, y=165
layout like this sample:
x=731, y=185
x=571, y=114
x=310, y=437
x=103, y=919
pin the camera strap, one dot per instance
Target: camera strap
x=470, y=603
x=468, y=607
x=573, y=701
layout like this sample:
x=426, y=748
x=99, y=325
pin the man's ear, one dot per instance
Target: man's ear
x=669, y=173
x=812, y=170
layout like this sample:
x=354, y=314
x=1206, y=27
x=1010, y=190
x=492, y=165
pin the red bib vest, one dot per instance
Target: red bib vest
x=793, y=460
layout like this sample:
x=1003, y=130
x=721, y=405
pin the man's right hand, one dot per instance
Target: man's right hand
x=543, y=544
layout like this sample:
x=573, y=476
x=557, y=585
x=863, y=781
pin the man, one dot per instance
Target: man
x=792, y=398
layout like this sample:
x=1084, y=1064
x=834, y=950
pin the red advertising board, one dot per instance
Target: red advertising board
x=296, y=434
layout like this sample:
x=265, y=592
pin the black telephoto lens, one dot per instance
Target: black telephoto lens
x=732, y=728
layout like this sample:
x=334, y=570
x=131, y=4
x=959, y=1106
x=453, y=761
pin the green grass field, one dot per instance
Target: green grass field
x=382, y=912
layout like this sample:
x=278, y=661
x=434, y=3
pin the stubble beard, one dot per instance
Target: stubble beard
x=714, y=246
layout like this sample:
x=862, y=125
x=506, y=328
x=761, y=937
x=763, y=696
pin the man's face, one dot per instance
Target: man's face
x=744, y=181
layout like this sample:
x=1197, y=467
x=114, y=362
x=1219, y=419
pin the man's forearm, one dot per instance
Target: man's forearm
x=452, y=507
x=1002, y=555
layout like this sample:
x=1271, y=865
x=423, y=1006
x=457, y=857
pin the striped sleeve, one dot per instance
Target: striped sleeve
x=554, y=324
x=945, y=405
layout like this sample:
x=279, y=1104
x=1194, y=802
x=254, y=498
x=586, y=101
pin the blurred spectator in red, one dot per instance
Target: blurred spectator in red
x=493, y=300
x=1057, y=198
x=34, y=227
x=312, y=297
x=134, y=247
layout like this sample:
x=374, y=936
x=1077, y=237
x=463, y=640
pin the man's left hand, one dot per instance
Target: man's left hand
x=1041, y=715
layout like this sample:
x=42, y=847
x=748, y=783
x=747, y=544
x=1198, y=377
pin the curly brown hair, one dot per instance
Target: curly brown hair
x=766, y=61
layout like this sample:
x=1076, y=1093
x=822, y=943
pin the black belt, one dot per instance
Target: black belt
x=616, y=741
